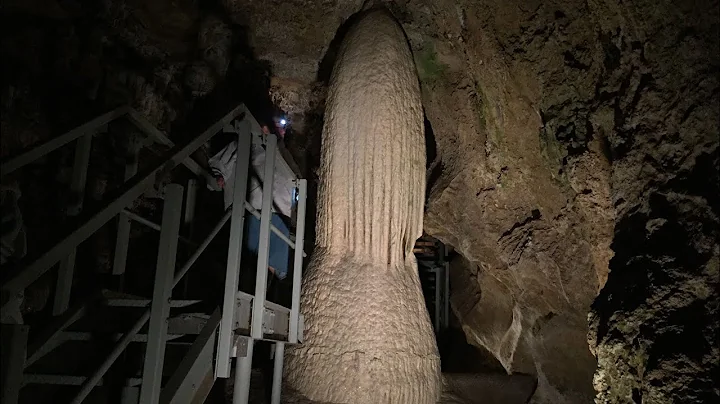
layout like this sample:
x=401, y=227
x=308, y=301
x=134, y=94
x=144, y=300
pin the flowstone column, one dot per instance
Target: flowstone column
x=368, y=337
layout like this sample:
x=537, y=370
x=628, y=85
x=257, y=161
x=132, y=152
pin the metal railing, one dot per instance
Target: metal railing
x=434, y=271
x=166, y=278
x=30, y=269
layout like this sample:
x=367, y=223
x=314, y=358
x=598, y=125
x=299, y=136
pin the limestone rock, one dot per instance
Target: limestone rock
x=654, y=326
x=368, y=336
x=156, y=30
x=215, y=42
x=200, y=78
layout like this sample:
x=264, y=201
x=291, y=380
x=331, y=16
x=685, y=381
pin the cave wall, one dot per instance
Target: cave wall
x=654, y=327
x=70, y=61
x=563, y=126
x=528, y=209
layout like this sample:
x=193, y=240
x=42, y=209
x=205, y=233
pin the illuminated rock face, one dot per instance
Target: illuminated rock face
x=368, y=337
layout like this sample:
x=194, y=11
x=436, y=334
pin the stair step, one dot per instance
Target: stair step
x=88, y=336
x=67, y=380
x=146, y=303
x=118, y=299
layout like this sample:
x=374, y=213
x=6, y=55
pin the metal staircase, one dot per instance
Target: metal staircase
x=207, y=341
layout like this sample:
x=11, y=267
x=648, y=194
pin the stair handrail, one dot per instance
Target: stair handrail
x=35, y=152
x=29, y=269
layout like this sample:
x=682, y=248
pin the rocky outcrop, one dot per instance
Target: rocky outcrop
x=531, y=219
x=292, y=35
x=368, y=336
x=214, y=43
x=574, y=124
x=654, y=327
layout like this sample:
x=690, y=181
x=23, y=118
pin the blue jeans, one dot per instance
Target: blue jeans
x=279, y=251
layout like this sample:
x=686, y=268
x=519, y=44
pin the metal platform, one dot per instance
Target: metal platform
x=215, y=338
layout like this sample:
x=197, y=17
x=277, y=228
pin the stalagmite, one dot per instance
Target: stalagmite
x=368, y=337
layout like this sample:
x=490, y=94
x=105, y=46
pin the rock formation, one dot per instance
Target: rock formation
x=655, y=325
x=368, y=337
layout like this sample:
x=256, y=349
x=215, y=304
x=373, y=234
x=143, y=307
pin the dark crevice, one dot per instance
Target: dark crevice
x=572, y=62
x=434, y=166
x=534, y=215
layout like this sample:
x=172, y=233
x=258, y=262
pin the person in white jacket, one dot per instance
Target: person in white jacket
x=222, y=165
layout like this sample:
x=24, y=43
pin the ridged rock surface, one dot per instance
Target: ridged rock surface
x=368, y=338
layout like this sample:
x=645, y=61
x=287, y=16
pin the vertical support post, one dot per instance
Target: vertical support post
x=256, y=330
x=442, y=255
x=123, y=233
x=438, y=288
x=232, y=272
x=77, y=189
x=277, y=373
x=243, y=373
x=13, y=361
x=298, y=261
x=130, y=395
x=447, y=294
x=190, y=201
x=160, y=308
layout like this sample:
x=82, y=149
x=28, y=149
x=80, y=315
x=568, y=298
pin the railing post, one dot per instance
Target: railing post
x=446, y=266
x=277, y=373
x=188, y=219
x=439, y=281
x=77, y=190
x=130, y=395
x=442, y=260
x=123, y=233
x=232, y=272
x=256, y=330
x=13, y=361
x=298, y=261
x=243, y=373
x=160, y=308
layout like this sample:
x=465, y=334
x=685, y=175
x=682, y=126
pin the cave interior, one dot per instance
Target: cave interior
x=571, y=181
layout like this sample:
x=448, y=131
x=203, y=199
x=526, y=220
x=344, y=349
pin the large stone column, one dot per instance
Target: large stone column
x=368, y=337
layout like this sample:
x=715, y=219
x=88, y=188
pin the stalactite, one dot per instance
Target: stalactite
x=368, y=336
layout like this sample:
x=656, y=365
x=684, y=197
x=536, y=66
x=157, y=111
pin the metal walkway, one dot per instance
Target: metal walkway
x=210, y=341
